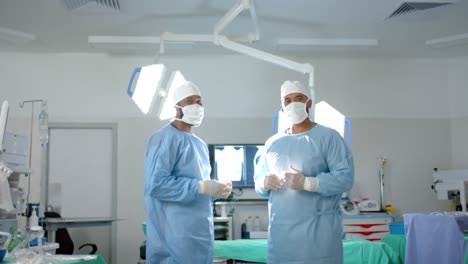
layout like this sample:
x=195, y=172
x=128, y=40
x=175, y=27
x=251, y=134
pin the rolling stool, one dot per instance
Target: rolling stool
x=142, y=253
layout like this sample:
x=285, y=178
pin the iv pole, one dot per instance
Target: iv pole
x=21, y=104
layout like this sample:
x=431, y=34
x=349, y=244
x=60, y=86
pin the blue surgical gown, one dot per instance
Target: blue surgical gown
x=179, y=221
x=305, y=227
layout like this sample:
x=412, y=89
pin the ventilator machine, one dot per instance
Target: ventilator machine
x=451, y=185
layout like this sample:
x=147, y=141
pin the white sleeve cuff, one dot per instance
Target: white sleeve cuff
x=311, y=184
x=201, y=187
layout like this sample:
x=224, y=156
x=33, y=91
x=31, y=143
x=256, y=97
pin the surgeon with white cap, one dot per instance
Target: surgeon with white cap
x=178, y=189
x=303, y=172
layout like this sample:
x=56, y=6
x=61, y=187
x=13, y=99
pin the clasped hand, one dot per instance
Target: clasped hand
x=215, y=188
x=294, y=179
x=272, y=182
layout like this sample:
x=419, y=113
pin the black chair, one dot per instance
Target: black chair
x=62, y=237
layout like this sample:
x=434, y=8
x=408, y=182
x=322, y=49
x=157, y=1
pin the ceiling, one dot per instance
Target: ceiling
x=58, y=29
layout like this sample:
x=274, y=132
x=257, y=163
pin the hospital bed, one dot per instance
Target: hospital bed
x=355, y=251
x=432, y=238
x=398, y=244
x=391, y=249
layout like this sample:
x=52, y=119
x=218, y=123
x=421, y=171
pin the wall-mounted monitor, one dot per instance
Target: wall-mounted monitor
x=234, y=162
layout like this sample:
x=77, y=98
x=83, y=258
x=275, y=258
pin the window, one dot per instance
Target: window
x=234, y=162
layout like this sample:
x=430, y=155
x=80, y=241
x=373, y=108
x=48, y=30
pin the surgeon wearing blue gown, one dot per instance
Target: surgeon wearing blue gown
x=304, y=171
x=178, y=190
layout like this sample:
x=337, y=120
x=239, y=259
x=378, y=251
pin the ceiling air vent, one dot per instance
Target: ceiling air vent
x=406, y=7
x=92, y=6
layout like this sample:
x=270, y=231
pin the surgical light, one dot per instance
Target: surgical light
x=325, y=115
x=328, y=116
x=148, y=82
x=229, y=42
x=167, y=110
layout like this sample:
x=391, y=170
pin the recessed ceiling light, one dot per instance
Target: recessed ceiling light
x=124, y=42
x=15, y=36
x=449, y=41
x=342, y=42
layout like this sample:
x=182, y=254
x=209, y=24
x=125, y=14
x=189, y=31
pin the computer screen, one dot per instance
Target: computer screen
x=234, y=162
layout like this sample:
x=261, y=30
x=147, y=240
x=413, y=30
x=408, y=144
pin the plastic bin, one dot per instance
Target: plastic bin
x=397, y=228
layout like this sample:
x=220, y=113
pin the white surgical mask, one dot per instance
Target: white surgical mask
x=192, y=114
x=296, y=112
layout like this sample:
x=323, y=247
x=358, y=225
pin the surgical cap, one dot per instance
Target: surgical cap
x=185, y=90
x=290, y=87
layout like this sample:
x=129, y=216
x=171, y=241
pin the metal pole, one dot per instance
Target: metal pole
x=381, y=174
x=382, y=161
x=28, y=197
x=21, y=104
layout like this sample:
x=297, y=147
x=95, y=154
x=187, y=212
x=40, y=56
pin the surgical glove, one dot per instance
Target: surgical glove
x=271, y=182
x=297, y=181
x=215, y=188
x=227, y=190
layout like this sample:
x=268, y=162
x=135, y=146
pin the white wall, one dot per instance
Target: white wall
x=458, y=87
x=459, y=142
x=413, y=147
x=399, y=108
x=384, y=88
x=458, y=92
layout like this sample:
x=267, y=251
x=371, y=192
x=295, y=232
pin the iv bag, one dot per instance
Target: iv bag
x=44, y=127
x=5, y=195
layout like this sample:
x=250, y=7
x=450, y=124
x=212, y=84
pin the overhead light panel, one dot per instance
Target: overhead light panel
x=331, y=42
x=123, y=42
x=15, y=36
x=449, y=41
x=135, y=43
x=147, y=84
